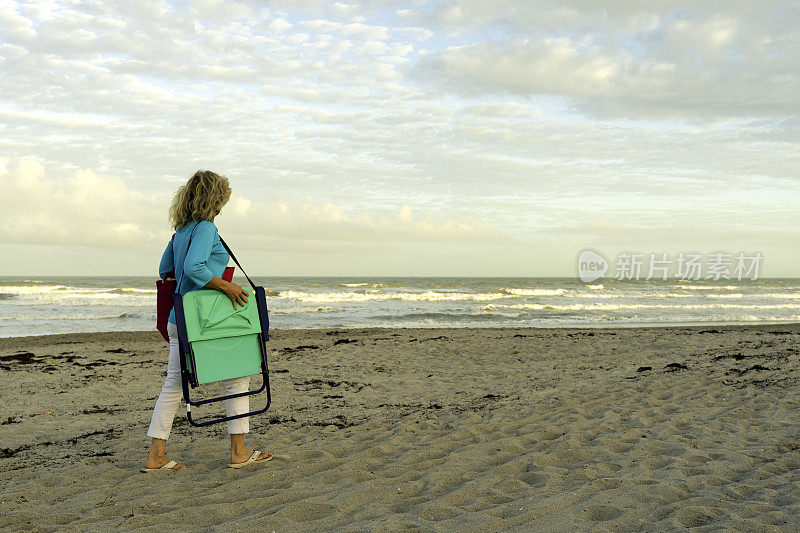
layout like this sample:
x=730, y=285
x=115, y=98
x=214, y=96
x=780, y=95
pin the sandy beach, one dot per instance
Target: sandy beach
x=419, y=429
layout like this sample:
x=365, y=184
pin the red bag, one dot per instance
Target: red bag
x=164, y=291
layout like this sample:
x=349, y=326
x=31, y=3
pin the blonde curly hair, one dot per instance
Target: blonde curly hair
x=202, y=198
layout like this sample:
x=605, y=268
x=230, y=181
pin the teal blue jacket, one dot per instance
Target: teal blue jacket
x=194, y=268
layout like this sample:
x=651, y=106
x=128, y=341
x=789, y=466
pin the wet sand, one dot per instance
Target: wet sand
x=419, y=429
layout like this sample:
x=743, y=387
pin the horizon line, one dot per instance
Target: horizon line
x=402, y=276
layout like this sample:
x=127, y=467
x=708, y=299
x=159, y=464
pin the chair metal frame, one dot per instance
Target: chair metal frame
x=188, y=373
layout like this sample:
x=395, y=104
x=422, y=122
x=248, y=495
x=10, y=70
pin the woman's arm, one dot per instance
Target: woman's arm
x=167, y=265
x=234, y=291
x=195, y=267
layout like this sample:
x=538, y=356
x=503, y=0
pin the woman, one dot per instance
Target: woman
x=192, y=214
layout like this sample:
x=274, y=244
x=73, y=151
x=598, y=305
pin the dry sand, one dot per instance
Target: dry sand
x=419, y=429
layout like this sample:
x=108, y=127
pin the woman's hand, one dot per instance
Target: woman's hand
x=234, y=292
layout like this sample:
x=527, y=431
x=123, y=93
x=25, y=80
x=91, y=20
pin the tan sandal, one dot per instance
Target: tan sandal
x=253, y=459
x=168, y=466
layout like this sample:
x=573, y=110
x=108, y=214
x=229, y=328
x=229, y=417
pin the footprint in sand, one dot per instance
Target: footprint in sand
x=694, y=517
x=305, y=511
x=601, y=513
x=436, y=513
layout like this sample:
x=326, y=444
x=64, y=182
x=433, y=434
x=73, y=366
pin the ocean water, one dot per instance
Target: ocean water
x=47, y=305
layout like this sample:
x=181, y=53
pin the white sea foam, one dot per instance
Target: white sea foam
x=611, y=307
x=428, y=296
x=707, y=287
x=74, y=292
x=66, y=295
x=595, y=296
x=133, y=289
x=533, y=292
x=302, y=310
x=46, y=315
x=25, y=289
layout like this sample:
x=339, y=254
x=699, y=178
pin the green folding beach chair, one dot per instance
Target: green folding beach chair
x=218, y=342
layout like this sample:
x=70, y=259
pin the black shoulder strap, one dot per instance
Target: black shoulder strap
x=237, y=262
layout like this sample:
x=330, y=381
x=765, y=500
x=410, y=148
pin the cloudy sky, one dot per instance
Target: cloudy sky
x=495, y=138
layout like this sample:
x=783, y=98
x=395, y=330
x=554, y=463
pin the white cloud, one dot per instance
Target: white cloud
x=280, y=25
x=410, y=122
x=691, y=63
x=84, y=209
x=98, y=210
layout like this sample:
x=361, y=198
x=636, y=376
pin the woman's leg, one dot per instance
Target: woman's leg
x=238, y=427
x=237, y=406
x=166, y=405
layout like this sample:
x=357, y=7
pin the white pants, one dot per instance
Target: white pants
x=171, y=393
